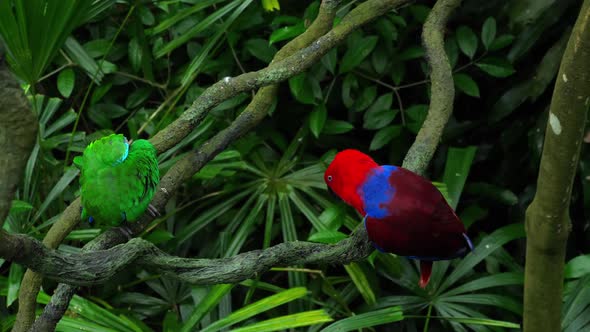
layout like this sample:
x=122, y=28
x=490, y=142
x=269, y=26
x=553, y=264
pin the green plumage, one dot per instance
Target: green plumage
x=117, y=179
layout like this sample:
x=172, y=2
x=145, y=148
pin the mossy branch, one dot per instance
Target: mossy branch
x=442, y=88
x=96, y=267
x=547, y=218
x=18, y=131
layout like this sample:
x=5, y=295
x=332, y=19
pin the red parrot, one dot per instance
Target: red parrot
x=403, y=212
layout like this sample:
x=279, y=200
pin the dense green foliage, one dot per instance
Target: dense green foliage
x=370, y=93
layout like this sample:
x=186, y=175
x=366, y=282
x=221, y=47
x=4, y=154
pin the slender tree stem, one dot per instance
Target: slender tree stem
x=547, y=218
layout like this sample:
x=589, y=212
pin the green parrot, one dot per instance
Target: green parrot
x=118, y=179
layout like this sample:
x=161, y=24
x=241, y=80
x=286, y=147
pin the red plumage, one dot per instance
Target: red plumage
x=404, y=213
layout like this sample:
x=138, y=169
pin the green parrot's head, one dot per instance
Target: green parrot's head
x=110, y=150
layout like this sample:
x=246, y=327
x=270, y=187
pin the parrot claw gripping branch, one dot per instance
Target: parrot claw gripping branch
x=403, y=213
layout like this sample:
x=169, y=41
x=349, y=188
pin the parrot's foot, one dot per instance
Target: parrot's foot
x=127, y=232
x=153, y=211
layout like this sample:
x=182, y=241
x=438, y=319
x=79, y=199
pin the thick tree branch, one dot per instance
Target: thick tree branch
x=96, y=267
x=442, y=87
x=18, y=131
x=547, y=218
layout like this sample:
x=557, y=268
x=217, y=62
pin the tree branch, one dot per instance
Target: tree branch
x=18, y=131
x=96, y=267
x=547, y=218
x=442, y=87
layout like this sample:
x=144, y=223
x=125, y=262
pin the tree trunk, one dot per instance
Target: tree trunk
x=547, y=218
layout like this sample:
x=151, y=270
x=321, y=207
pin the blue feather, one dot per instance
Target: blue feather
x=376, y=192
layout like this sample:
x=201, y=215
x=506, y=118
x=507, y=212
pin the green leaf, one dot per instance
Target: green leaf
x=490, y=281
x=457, y=168
x=260, y=49
x=20, y=207
x=501, y=42
x=287, y=32
x=159, y=236
x=317, y=119
x=147, y=18
x=81, y=56
x=135, y=54
x=411, y=53
x=357, y=53
x=66, y=81
x=207, y=303
x=256, y=308
x=493, y=192
x=327, y=236
x=301, y=88
x=417, y=113
x=467, y=41
x=69, y=175
x=577, y=267
x=487, y=246
x=379, y=59
x=466, y=84
x=349, y=84
x=330, y=60
x=283, y=323
x=384, y=136
x=15, y=275
x=379, y=114
x=335, y=127
x=33, y=31
x=138, y=97
x=472, y=213
x=488, y=32
x=482, y=321
x=360, y=280
x=198, y=28
x=365, y=99
x=452, y=51
x=420, y=12
x=398, y=71
x=367, y=319
x=497, y=67
x=167, y=23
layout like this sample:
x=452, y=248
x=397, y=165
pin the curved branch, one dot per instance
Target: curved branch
x=442, y=87
x=97, y=267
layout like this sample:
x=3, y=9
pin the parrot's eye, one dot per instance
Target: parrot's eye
x=329, y=177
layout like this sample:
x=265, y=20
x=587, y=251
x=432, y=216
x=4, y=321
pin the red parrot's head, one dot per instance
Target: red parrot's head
x=347, y=173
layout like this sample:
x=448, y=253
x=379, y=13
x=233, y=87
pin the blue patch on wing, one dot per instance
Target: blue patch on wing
x=90, y=220
x=124, y=156
x=377, y=193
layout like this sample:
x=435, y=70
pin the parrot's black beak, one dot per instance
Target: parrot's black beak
x=333, y=193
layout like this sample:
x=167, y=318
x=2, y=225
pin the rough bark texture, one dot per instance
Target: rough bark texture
x=18, y=131
x=99, y=266
x=97, y=263
x=547, y=218
x=442, y=92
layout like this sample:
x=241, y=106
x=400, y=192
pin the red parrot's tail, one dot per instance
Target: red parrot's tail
x=425, y=271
